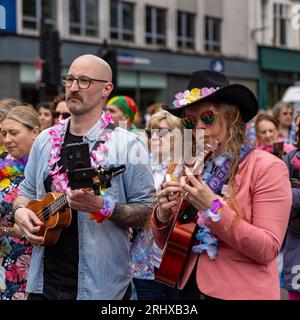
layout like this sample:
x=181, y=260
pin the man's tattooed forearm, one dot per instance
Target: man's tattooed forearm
x=131, y=215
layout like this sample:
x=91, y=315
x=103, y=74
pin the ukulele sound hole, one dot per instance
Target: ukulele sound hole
x=187, y=215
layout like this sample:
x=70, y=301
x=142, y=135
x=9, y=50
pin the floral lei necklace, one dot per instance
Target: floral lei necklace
x=215, y=181
x=60, y=180
x=11, y=168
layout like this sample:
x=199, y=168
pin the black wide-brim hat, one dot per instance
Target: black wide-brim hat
x=218, y=89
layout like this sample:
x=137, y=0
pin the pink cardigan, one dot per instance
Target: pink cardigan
x=246, y=265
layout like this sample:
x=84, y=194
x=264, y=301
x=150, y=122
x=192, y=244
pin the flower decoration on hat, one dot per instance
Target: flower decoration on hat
x=190, y=96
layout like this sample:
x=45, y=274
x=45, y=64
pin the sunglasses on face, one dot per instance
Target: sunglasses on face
x=65, y=115
x=160, y=132
x=206, y=117
x=287, y=113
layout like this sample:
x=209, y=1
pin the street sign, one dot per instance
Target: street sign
x=8, y=16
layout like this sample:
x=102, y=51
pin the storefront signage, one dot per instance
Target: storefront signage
x=8, y=16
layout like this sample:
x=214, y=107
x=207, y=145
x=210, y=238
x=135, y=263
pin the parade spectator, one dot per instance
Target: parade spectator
x=291, y=252
x=267, y=134
x=124, y=112
x=151, y=110
x=20, y=127
x=123, y=108
x=236, y=197
x=284, y=114
x=45, y=110
x=91, y=259
x=61, y=110
x=267, y=139
x=5, y=106
x=145, y=254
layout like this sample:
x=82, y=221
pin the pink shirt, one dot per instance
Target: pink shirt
x=246, y=266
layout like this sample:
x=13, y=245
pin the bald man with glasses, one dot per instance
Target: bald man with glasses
x=90, y=260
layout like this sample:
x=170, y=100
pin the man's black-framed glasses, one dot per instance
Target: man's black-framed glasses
x=83, y=82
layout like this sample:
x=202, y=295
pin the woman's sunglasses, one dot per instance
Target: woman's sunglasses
x=160, y=132
x=207, y=117
x=65, y=115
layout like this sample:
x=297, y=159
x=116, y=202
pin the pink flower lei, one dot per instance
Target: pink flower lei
x=60, y=180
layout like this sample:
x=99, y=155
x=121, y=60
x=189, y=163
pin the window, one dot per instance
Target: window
x=280, y=22
x=212, y=34
x=185, y=30
x=155, y=26
x=122, y=20
x=84, y=17
x=34, y=10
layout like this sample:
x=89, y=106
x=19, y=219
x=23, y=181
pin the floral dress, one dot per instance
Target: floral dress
x=15, y=253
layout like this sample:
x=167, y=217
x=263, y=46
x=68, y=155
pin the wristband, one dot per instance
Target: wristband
x=106, y=211
x=13, y=211
x=214, y=211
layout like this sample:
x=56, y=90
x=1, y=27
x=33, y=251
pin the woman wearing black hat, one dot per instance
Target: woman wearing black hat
x=242, y=198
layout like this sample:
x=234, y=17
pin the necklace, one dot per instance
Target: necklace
x=12, y=167
x=215, y=174
x=60, y=180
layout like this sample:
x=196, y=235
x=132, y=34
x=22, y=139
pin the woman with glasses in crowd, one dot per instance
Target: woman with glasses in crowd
x=284, y=114
x=236, y=195
x=19, y=129
x=61, y=110
x=145, y=254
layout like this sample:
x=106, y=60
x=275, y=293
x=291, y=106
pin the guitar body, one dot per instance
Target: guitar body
x=177, y=248
x=53, y=223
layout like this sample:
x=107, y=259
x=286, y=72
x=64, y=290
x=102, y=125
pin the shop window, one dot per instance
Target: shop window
x=185, y=30
x=84, y=17
x=212, y=39
x=155, y=26
x=34, y=10
x=122, y=20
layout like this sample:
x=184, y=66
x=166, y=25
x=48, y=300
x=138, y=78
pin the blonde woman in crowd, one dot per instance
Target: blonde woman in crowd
x=20, y=127
x=145, y=254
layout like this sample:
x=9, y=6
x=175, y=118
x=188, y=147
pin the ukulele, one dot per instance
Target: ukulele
x=180, y=238
x=54, y=211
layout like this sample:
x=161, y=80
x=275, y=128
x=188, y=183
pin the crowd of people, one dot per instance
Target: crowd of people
x=210, y=188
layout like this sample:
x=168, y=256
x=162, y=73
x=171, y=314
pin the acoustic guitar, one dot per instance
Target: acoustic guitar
x=54, y=211
x=179, y=241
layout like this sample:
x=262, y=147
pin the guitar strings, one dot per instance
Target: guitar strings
x=45, y=213
x=52, y=208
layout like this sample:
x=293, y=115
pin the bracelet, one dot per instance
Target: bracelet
x=214, y=211
x=13, y=211
x=160, y=220
x=16, y=208
x=107, y=209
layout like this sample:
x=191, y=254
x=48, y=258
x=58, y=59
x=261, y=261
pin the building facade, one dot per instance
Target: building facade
x=278, y=49
x=158, y=43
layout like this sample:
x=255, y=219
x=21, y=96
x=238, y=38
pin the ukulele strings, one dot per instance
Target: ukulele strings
x=44, y=214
